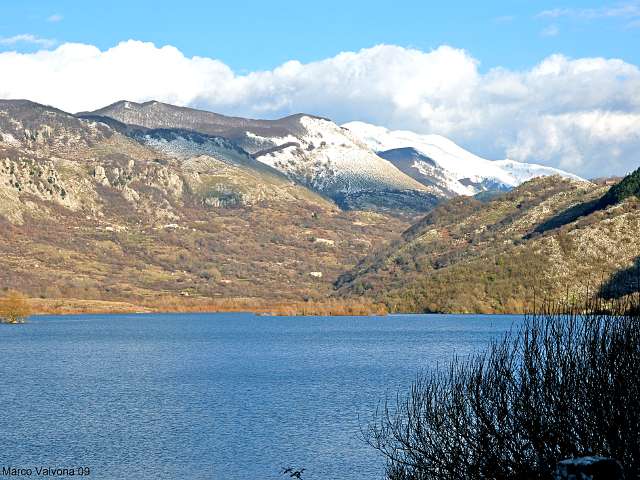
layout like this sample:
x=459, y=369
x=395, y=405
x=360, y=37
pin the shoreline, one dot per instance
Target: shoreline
x=262, y=307
x=329, y=307
x=257, y=306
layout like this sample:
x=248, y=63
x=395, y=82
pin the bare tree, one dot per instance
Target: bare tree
x=562, y=385
x=14, y=308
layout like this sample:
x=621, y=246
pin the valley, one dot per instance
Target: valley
x=150, y=206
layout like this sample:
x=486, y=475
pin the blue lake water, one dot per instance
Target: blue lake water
x=214, y=396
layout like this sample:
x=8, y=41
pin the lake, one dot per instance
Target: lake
x=213, y=396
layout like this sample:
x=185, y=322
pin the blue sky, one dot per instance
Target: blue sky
x=257, y=35
x=554, y=82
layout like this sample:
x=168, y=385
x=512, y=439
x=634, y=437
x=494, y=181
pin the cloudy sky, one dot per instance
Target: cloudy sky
x=553, y=83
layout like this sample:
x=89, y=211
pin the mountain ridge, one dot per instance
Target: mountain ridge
x=310, y=150
x=140, y=114
x=347, y=163
x=451, y=168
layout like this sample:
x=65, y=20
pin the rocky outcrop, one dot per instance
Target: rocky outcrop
x=46, y=130
x=589, y=468
x=37, y=177
x=100, y=174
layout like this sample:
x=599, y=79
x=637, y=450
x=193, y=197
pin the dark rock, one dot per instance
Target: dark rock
x=589, y=468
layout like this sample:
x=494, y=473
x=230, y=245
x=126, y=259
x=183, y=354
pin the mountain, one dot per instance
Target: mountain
x=310, y=150
x=445, y=167
x=93, y=208
x=359, y=166
x=58, y=146
x=194, y=205
x=329, y=159
x=155, y=114
x=492, y=256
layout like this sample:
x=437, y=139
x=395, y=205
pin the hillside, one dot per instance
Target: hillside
x=473, y=256
x=104, y=211
x=162, y=115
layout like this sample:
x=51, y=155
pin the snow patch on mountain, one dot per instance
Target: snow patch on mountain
x=463, y=172
x=331, y=159
x=526, y=171
x=184, y=146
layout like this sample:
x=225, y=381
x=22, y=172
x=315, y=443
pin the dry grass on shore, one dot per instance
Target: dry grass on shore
x=328, y=307
x=70, y=306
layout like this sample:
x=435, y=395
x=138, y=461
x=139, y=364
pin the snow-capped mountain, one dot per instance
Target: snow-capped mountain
x=440, y=164
x=310, y=150
x=358, y=165
x=331, y=159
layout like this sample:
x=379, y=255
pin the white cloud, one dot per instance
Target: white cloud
x=582, y=114
x=504, y=19
x=619, y=10
x=27, y=38
x=555, y=13
x=550, y=31
x=55, y=18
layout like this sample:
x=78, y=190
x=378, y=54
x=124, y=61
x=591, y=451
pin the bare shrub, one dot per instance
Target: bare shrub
x=14, y=308
x=561, y=385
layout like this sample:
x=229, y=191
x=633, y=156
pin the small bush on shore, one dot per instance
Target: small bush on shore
x=561, y=385
x=14, y=308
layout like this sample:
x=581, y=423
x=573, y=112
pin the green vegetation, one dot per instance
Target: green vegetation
x=629, y=186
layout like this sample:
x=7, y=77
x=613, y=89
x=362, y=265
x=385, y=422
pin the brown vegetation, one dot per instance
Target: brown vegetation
x=468, y=256
x=14, y=308
x=262, y=252
x=330, y=307
x=71, y=306
x=91, y=214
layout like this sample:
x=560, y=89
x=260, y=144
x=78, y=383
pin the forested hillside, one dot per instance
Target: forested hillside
x=542, y=240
